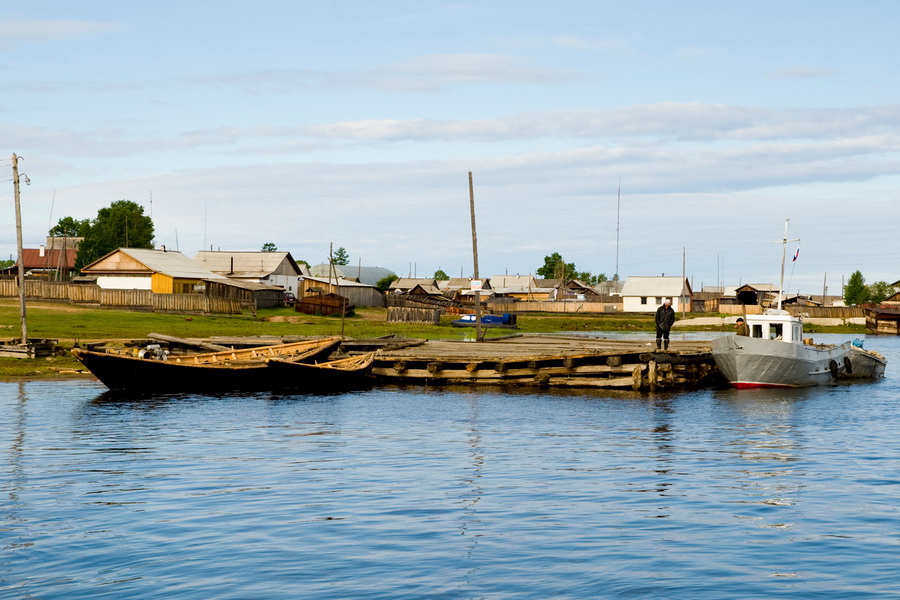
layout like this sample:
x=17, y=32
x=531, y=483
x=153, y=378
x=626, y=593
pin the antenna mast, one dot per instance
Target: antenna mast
x=618, y=209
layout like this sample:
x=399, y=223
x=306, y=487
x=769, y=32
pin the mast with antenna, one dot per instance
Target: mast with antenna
x=618, y=209
x=784, y=242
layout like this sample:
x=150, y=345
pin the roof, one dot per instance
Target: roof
x=248, y=264
x=757, y=287
x=656, y=286
x=408, y=283
x=42, y=258
x=145, y=261
x=367, y=275
x=340, y=282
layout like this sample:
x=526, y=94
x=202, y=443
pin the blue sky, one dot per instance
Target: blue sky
x=355, y=123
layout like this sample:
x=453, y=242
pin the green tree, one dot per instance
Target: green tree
x=269, y=247
x=384, y=283
x=879, y=291
x=6, y=263
x=69, y=227
x=122, y=224
x=441, y=276
x=856, y=292
x=341, y=257
x=556, y=268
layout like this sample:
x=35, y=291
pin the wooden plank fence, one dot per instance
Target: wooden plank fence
x=127, y=299
x=399, y=314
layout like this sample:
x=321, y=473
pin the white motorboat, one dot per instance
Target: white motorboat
x=775, y=355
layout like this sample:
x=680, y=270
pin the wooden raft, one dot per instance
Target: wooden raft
x=551, y=361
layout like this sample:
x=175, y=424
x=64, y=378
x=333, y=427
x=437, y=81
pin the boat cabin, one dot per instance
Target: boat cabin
x=776, y=325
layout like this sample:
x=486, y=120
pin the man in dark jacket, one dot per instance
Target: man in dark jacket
x=665, y=318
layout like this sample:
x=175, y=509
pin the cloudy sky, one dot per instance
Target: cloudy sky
x=356, y=123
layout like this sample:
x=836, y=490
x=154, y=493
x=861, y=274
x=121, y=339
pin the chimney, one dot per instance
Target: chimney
x=41, y=251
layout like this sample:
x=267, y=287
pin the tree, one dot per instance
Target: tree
x=122, y=224
x=6, y=263
x=69, y=227
x=856, y=292
x=269, y=247
x=439, y=275
x=384, y=283
x=341, y=257
x=879, y=291
x=556, y=268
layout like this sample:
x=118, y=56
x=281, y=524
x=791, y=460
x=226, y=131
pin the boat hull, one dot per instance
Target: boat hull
x=122, y=372
x=865, y=364
x=342, y=374
x=747, y=362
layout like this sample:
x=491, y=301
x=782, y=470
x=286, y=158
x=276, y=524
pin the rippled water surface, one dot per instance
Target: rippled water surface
x=452, y=493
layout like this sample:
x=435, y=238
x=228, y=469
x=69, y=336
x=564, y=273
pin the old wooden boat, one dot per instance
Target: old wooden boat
x=865, y=364
x=342, y=373
x=153, y=371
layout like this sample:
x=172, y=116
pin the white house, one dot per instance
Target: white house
x=646, y=294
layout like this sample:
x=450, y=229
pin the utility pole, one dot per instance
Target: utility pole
x=478, y=334
x=21, y=261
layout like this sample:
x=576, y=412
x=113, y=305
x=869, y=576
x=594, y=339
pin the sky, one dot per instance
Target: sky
x=631, y=137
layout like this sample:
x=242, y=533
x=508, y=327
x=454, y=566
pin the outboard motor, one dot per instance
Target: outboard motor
x=152, y=352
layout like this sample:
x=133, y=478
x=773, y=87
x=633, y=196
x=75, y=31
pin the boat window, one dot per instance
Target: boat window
x=756, y=331
x=643, y=299
x=775, y=331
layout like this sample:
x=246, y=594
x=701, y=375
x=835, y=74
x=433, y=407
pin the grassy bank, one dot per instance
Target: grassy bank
x=70, y=324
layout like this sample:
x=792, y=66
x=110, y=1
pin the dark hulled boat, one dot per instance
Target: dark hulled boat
x=243, y=369
x=343, y=373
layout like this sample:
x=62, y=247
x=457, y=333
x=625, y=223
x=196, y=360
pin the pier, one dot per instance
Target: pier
x=550, y=361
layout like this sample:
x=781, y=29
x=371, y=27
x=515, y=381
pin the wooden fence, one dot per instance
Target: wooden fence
x=127, y=299
x=399, y=314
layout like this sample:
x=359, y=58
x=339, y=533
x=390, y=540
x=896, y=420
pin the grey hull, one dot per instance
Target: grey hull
x=752, y=362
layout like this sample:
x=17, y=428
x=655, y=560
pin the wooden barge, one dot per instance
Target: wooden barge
x=551, y=361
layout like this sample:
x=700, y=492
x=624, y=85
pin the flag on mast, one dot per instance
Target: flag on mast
x=796, y=254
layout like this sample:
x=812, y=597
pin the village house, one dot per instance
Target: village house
x=521, y=287
x=277, y=269
x=412, y=285
x=366, y=275
x=646, y=294
x=359, y=294
x=171, y=272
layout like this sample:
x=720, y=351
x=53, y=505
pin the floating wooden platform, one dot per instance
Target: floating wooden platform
x=551, y=361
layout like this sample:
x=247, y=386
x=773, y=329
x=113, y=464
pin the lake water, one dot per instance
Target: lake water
x=452, y=493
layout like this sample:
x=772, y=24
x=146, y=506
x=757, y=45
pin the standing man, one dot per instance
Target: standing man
x=665, y=318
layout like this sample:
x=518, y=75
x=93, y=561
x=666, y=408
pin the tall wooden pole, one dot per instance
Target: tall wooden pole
x=478, y=335
x=21, y=260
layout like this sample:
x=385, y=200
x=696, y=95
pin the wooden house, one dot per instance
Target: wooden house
x=160, y=271
x=646, y=294
x=521, y=287
x=277, y=269
x=406, y=285
x=366, y=275
x=359, y=294
x=51, y=263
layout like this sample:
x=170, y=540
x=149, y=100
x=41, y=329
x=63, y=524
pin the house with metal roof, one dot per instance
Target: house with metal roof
x=359, y=294
x=366, y=275
x=269, y=268
x=405, y=285
x=646, y=294
x=160, y=271
x=521, y=287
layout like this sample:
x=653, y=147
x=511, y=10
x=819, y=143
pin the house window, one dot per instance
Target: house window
x=643, y=299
